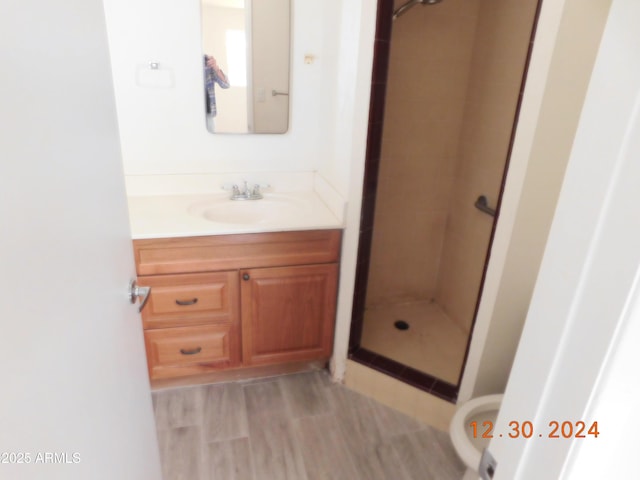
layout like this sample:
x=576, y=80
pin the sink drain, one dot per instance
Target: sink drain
x=401, y=325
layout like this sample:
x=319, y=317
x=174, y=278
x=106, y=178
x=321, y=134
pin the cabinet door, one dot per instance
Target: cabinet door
x=288, y=313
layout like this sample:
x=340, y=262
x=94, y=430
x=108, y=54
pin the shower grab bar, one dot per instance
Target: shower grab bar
x=411, y=3
x=482, y=204
x=400, y=10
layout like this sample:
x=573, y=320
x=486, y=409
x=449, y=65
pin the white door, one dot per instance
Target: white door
x=75, y=401
x=587, y=280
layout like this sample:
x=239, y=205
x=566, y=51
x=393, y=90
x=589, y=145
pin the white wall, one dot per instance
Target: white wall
x=162, y=131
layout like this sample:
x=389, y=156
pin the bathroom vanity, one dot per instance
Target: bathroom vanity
x=226, y=301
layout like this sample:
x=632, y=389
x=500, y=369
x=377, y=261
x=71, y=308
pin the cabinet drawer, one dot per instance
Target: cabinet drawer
x=179, y=351
x=227, y=252
x=191, y=299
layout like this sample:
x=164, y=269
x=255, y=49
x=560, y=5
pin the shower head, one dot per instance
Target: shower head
x=411, y=3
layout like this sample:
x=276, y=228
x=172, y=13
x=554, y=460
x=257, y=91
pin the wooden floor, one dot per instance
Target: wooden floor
x=294, y=427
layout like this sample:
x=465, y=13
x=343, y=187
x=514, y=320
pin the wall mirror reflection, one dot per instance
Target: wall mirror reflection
x=246, y=45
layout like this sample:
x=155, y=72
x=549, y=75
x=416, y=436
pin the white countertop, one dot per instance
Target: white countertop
x=163, y=216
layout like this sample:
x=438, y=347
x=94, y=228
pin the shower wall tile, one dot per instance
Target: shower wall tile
x=430, y=58
x=381, y=61
x=404, y=265
x=442, y=192
x=374, y=148
x=489, y=118
x=368, y=212
x=384, y=19
x=502, y=41
x=463, y=264
x=372, y=163
x=378, y=91
x=464, y=218
x=405, y=398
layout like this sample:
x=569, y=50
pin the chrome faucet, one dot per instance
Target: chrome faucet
x=247, y=194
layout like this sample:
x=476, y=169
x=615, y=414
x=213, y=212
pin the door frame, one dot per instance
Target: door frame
x=419, y=379
x=587, y=293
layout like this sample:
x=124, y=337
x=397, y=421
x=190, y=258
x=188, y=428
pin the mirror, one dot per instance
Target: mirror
x=246, y=65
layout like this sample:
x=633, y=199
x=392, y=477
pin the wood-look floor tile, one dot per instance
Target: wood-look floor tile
x=181, y=453
x=429, y=455
x=379, y=462
x=302, y=427
x=178, y=408
x=265, y=398
x=325, y=453
x=225, y=413
x=275, y=451
x=391, y=422
x=305, y=393
x=229, y=460
x=324, y=377
x=355, y=414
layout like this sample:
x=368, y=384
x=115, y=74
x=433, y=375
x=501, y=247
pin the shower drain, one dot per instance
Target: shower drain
x=401, y=325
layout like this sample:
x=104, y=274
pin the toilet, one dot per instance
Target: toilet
x=468, y=448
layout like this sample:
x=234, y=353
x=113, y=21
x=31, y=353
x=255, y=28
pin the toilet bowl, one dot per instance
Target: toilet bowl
x=468, y=448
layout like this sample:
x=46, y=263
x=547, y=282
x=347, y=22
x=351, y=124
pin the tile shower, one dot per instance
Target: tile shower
x=446, y=85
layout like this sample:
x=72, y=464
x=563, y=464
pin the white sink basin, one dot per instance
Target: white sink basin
x=271, y=209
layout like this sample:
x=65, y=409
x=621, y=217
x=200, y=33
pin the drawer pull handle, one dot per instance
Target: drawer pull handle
x=195, y=351
x=246, y=276
x=184, y=303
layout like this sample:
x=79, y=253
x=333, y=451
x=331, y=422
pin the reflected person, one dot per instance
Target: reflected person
x=212, y=74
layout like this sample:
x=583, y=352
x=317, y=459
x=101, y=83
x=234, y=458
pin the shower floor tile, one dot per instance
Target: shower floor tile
x=433, y=343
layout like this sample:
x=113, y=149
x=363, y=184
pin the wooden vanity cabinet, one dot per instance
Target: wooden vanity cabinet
x=233, y=301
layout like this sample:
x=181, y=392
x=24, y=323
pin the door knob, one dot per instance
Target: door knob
x=136, y=291
x=246, y=276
